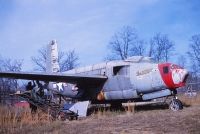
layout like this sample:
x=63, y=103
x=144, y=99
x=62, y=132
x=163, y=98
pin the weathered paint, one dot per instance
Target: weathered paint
x=157, y=94
x=128, y=79
x=175, y=77
x=22, y=104
x=52, y=65
x=149, y=81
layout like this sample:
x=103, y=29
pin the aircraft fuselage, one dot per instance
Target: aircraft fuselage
x=134, y=78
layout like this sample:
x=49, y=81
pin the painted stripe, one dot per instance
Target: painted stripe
x=167, y=77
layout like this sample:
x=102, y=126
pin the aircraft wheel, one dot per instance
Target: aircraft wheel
x=176, y=105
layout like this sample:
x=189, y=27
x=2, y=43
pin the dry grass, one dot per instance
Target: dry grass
x=189, y=101
x=157, y=121
x=14, y=119
x=104, y=121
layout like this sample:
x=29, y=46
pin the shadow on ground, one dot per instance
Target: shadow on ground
x=152, y=107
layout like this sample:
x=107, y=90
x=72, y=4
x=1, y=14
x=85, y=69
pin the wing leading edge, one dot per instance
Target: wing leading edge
x=58, y=77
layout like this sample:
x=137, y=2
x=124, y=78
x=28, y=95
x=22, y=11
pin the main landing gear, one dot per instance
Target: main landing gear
x=175, y=103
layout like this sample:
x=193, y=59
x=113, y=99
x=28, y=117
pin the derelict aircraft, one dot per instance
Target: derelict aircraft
x=136, y=78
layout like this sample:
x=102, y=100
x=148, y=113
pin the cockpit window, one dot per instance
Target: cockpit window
x=121, y=70
x=116, y=69
x=165, y=69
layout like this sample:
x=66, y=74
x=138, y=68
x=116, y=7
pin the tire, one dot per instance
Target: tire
x=176, y=105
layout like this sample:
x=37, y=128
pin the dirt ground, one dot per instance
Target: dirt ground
x=148, y=121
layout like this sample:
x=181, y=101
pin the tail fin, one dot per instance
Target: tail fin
x=52, y=65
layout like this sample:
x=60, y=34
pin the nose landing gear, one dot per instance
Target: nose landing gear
x=175, y=105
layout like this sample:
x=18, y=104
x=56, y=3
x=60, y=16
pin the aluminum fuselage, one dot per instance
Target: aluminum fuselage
x=134, y=78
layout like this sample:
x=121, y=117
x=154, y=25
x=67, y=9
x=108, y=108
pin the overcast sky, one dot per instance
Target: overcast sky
x=88, y=25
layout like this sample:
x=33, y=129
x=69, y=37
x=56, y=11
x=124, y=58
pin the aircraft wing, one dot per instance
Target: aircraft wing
x=58, y=77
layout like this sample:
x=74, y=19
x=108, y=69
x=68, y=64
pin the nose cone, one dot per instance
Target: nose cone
x=173, y=75
x=179, y=77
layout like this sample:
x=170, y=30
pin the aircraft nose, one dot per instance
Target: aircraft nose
x=173, y=75
x=179, y=76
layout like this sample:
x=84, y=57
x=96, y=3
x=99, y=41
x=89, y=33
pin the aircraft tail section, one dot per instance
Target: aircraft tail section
x=52, y=65
x=80, y=107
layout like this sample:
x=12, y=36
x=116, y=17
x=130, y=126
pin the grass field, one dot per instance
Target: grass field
x=158, y=120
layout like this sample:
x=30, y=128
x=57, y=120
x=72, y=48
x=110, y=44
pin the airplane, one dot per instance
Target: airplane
x=136, y=78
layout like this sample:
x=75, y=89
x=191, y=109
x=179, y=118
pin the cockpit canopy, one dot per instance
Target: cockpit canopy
x=139, y=59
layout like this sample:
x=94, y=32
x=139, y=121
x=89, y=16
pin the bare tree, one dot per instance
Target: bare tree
x=182, y=61
x=139, y=48
x=194, y=49
x=10, y=65
x=194, y=54
x=8, y=85
x=40, y=60
x=67, y=60
x=125, y=43
x=70, y=61
x=161, y=48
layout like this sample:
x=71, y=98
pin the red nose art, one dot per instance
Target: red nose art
x=166, y=75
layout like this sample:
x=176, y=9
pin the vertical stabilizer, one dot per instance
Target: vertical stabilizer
x=52, y=65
